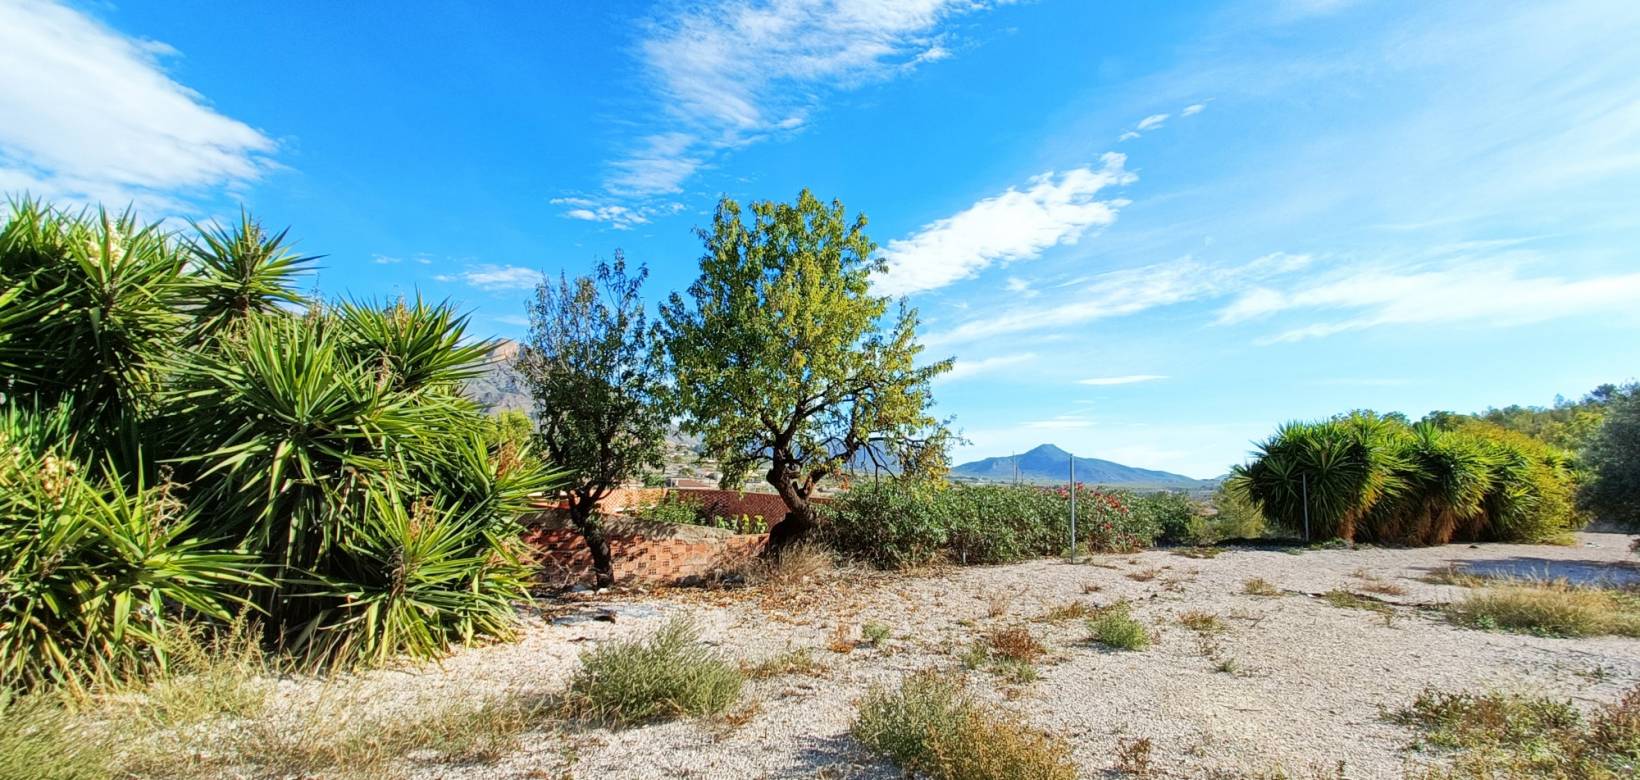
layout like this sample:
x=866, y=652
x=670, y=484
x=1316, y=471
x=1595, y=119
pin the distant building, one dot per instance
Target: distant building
x=690, y=484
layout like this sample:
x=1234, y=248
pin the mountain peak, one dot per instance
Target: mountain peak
x=1045, y=450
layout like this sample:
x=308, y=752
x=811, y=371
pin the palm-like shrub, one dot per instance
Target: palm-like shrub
x=1370, y=478
x=205, y=449
x=335, y=447
x=92, y=571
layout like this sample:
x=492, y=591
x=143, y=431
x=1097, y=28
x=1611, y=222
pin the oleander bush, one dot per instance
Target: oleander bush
x=901, y=523
x=179, y=440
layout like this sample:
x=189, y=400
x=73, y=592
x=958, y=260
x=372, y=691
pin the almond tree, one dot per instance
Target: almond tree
x=591, y=370
x=782, y=360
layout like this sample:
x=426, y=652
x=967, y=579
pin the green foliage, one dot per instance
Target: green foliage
x=675, y=508
x=1115, y=627
x=1174, y=513
x=178, y=445
x=666, y=675
x=589, y=365
x=1236, y=517
x=91, y=572
x=931, y=727
x=1612, y=457
x=781, y=357
x=1365, y=477
x=900, y=523
x=509, y=429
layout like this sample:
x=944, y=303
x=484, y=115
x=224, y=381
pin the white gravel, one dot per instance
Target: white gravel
x=1311, y=681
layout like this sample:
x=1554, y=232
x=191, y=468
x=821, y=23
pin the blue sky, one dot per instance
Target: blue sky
x=1147, y=231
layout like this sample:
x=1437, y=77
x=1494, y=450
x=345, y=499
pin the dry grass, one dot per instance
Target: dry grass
x=1015, y=644
x=1383, y=588
x=1133, y=758
x=1202, y=622
x=996, y=605
x=1550, y=608
x=797, y=661
x=1144, y=575
x=841, y=640
x=1452, y=575
x=1508, y=735
x=1258, y=586
x=1070, y=610
x=930, y=726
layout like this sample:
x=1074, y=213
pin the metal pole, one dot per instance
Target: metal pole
x=1073, y=507
x=1304, y=484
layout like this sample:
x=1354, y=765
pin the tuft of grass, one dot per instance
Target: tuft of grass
x=666, y=675
x=796, y=661
x=1070, y=610
x=40, y=737
x=841, y=640
x=997, y=605
x=1510, y=735
x=1344, y=599
x=1453, y=575
x=1115, y=627
x=1383, y=588
x=1144, y=575
x=1133, y=758
x=1015, y=644
x=874, y=634
x=1206, y=551
x=1550, y=609
x=931, y=726
x=1258, y=586
x=1201, y=622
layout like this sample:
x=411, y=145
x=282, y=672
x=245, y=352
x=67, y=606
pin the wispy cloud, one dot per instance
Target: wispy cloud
x=1151, y=122
x=1120, y=293
x=735, y=72
x=1193, y=109
x=91, y=114
x=965, y=368
x=1130, y=379
x=1494, y=291
x=1015, y=225
x=495, y=278
x=613, y=214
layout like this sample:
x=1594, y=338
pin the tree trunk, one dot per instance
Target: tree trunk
x=799, y=519
x=592, y=532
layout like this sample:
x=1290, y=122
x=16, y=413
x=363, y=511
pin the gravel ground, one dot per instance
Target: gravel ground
x=1309, y=685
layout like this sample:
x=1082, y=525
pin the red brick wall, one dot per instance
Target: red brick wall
x=719, y=502
x=641, y=559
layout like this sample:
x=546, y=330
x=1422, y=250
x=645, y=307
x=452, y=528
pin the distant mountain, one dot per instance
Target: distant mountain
x=498, y=387
x=1048, y=464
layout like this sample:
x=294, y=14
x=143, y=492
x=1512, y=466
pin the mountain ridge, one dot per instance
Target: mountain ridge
x=1048, y=463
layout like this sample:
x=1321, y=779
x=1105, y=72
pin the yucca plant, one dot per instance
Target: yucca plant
x=103, y=297
x=301, y=426
x=1333, y=472
x=91, y=573
x=239, y=272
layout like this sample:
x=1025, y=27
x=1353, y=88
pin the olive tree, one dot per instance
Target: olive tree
x=783, y=358
x=590, y=367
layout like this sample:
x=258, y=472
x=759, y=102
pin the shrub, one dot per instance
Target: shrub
x=1173, y=514
x=666, y=675
x=674, y=508
x=892, y=524
x=1510, y=735
x=1550, y=609
x=898, y=523
x=324, y=467
x=930, y=726
x=1364, y=477
x=1258, y=586
x=1612, y=456
x=1116, y=628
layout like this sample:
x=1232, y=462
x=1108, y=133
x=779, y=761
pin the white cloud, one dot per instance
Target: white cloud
x=494, y=278
x=385, y=260
x=1193, y=109
x=1127, y=136
x=90, y=114
x=1015, y=225
x=734, y=72
x=1120, y=293
x=1492, y=292
x=965, y=368
x=1101, y=381
x=1151, y=122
